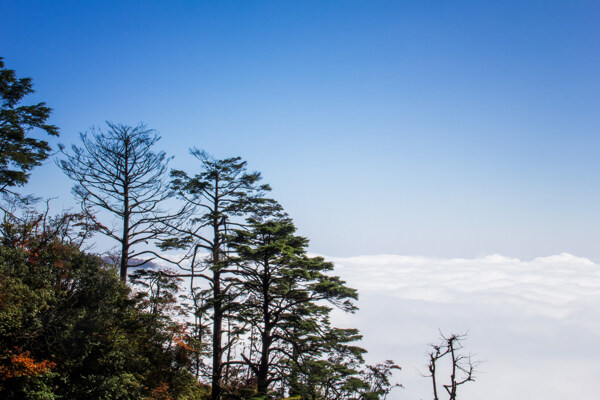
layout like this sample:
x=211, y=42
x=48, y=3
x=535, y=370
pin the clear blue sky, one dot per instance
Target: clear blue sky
x=437, y=128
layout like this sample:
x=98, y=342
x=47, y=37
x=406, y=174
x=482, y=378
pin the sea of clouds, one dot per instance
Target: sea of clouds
x=534, y=325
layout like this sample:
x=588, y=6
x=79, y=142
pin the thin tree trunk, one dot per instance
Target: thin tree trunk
x=126, y=214
x=217, y=338
x=432, y=370
x=217, y=305
x=229, y=347
x=124, y=258
x=453, y=376
x=125, y=241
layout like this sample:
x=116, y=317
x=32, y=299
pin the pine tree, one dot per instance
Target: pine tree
x=19, y=152
x=288, y=297
x=219, y=197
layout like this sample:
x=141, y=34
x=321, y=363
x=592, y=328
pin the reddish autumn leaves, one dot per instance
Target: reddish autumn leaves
x=21, y=364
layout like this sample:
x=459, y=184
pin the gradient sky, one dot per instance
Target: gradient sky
x=461, y=135
x=435, y=128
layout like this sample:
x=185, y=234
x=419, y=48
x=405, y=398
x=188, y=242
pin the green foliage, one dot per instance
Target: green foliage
x=286, y=299
x=19, y=153
x=67, y=317
x=70, y=328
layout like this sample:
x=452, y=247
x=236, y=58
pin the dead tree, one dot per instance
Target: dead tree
x=462, y=367
x=117, y=172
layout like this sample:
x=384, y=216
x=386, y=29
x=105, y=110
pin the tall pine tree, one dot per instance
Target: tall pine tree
x=287, y=299
x=220, y=196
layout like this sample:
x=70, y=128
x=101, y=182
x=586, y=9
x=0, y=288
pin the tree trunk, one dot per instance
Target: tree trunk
x=263, y=367
x=125, y=240
x=262, y=376
x=126, y=214
x=217, y=337
x=217, y=305
x=124, y=253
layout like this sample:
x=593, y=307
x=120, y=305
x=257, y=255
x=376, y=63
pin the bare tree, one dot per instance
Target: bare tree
x=462, y=367
x=117, y=172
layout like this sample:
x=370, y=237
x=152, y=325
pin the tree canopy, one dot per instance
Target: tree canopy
x=19, y=151
x=70, y=329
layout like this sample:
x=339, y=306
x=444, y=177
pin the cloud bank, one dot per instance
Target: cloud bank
x=534, y=324
x=555, y=286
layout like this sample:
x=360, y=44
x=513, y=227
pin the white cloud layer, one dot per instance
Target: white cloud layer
x=533, y=323
x=555, y=286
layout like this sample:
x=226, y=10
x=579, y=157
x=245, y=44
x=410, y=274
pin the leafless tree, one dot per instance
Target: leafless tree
x=462, y=367
x=117, y=173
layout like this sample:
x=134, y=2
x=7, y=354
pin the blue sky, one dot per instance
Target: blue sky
x=446, y=129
